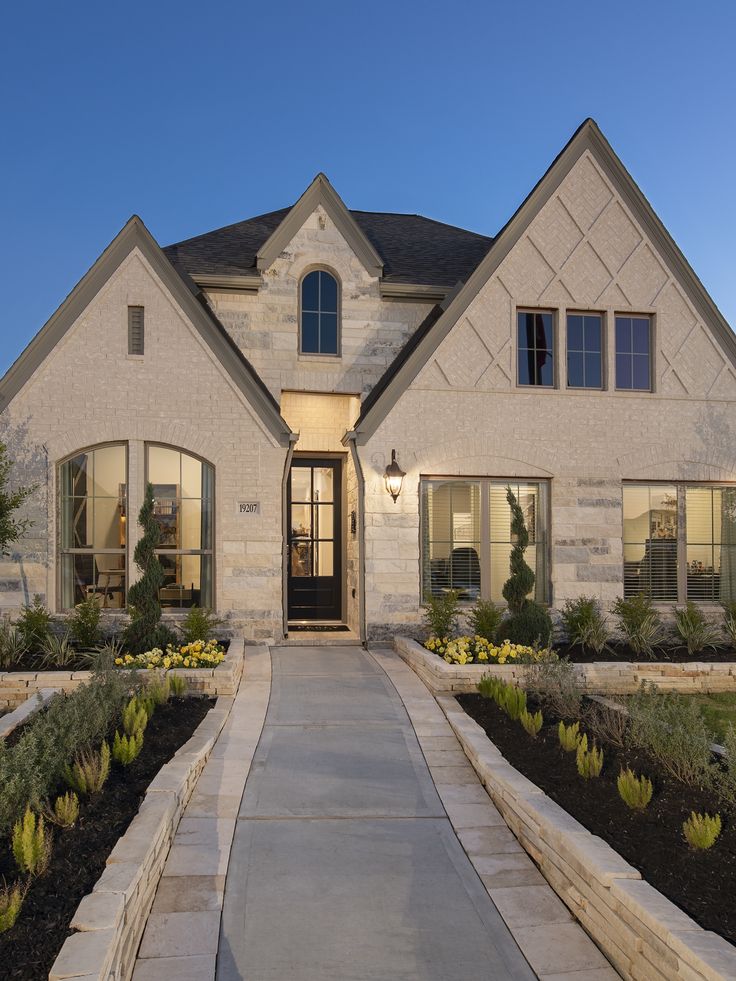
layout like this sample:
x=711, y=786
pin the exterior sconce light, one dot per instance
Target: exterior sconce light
x=394, y=477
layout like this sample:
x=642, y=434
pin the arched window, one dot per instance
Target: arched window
x=184, y=491
x=92, y=513
x=319, y=313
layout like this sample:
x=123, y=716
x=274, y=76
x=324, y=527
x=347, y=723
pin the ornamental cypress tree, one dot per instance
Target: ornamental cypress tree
x=143, y=595
x=521, y=581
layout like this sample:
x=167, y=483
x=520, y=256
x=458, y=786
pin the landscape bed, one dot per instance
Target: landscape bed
x=702, y=883
x=79, y=853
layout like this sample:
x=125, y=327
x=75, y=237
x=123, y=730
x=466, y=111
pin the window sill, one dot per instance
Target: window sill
x=320, y=357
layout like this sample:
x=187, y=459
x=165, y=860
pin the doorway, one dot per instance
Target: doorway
x=315, y=541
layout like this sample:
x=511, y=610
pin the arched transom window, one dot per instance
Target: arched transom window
x=92, y=506
x=319, y=327
x=183, y=490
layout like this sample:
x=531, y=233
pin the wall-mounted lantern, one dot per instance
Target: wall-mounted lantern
x=394, y=477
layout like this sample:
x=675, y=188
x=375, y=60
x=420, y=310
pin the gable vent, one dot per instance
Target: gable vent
x=135, y=330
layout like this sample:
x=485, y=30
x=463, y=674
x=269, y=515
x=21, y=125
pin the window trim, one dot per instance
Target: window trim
x=570, y=312
x=485, y=480
x=190, y=551
x=632, y=315
x=555, y=315
x=319, y=354
x=61, y=551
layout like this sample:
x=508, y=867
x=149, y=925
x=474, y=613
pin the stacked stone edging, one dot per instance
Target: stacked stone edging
x=26, y=710
x=601, y=678
x=17, y=686
x=643, y=934
x=110, y=920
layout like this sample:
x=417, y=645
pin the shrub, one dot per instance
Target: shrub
x=11, y=527
x=555, y=684
x=178, y=685
x=31, y=844
x=65, y=810
x=484, y=619
x=34, y=623
x=532, y=723
x=640, y=623
x=729, y=622
x=11, y=901
x=608, y=723
x=589, y=761
x=702, y=830
x=513, y=701
x=199, y=624
x=672, y=731
x=83, y=623
x=490, y=687
x=158, y=690
x=521, y=579
x=125, y=749
x=90, y=770
x=693, y=628
x=569, y=736
x=726, y=776
x=585, y=624
x=135, y=717
x=636, y=792
x=31, y=769
x=530, y=626
x=57, y=652
x=142, y=632
x=13, y=647
x=440, y=617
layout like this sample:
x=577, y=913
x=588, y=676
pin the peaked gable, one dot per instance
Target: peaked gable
x=135, y=235
x=588, y=139
x=320, y=192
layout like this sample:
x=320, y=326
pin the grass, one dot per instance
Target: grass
x=718, y=709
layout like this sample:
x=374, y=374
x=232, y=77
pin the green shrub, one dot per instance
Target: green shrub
x=34, y=624
x=640, y=623
x=199, y=624
x=569, y=736
x=57, y=653
x=556, y=686
x=65, y=810
x=177, y=685
x=513, y=701
x=702, y=830
x=83, y=623
x=32, y=768
x=143, y=633
x=88, y=773
x=609, y=724
x=585, y=624
x=672, y=731
x=13, y=647
x=693, y=628
x=532, y=723
x=135, y=717
x=589, y=760
x=126, y=748
x=31, y=844
x=726, y=775
x=636, y=792
x=484, y=619
x=158, y=690
x=729, y=622
x=490, y=687
x=12, y=528
x=11, y=902
x=521, y=578
x=530, y=626
x=440, y=617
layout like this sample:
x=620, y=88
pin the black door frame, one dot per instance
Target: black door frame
x=328, y=598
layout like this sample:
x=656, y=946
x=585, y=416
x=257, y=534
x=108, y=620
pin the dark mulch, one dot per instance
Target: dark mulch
x=29, y=949
x=703, y=884
x=622, y=652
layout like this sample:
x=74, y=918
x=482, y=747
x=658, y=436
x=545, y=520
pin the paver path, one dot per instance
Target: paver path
x=344, y=864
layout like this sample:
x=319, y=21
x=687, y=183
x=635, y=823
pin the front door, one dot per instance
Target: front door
x=315, y=583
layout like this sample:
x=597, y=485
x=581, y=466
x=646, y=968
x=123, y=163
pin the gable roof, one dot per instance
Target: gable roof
x=414, y=249
x=417, y=352
x=135, y=235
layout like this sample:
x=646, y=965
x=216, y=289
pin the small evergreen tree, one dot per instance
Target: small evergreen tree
x=142, y=631
x=11, y=527
x=521, y=581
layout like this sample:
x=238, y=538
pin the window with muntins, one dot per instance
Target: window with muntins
x=466, y=536
x=584, y=350
x=680, y=542
x=319, y=313
x=92, y=523
x=183, y=489
x=633, y=354
x=535, y=348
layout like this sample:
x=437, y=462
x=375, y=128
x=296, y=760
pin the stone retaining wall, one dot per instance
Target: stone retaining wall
x=17, y=686
x=110, y=920
x=643, y=934
x=602, y=678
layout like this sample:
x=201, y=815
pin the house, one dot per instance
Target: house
x=263, y=376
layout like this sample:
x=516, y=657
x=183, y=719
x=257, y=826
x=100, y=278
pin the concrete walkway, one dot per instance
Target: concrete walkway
x=344, y=864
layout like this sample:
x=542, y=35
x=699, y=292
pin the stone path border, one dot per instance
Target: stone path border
x=182, y=931
x=556, y=946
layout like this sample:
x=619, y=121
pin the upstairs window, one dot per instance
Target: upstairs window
x=584, y=351
x=633, y=354
x=535, y=348
x=319, y=313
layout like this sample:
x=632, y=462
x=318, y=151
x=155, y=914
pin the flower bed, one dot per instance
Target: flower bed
x=199, y=654
x=469, y=650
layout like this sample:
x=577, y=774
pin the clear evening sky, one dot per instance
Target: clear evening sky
x=197, y=115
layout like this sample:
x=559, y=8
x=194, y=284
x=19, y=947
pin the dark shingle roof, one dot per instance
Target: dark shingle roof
x=414, y=249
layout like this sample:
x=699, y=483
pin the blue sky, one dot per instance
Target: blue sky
x=197, y=116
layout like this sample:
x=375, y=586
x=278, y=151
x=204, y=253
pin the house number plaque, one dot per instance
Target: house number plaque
x=248, y=508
